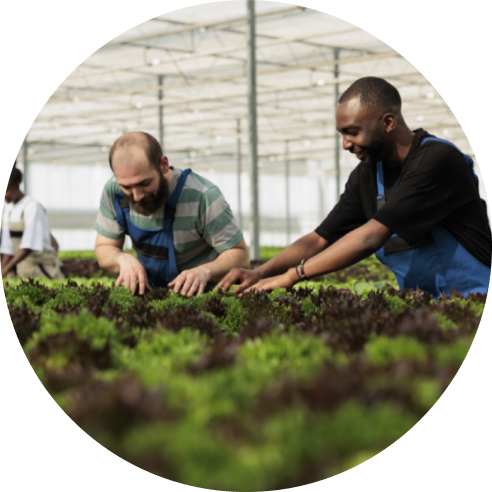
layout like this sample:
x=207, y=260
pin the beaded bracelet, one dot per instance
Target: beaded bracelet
x=298, y=273
x=303, y=275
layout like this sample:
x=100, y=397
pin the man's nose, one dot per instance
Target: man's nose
x=137, y=195
x=346, y=143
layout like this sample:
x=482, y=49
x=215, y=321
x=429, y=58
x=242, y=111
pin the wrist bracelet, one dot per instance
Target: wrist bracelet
x=298, y=276
x=303, y=275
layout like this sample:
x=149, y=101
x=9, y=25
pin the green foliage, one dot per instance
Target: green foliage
x=383, y=351
x=262, y=392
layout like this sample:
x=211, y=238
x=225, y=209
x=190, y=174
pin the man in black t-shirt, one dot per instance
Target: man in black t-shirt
x=413, y=200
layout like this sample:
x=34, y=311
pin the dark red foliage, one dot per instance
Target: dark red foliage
x=82, y=359
x=221, y=353
x=25, y=322
x=116, y=406
x=334, y=386
x=76, y=267
x=215, y=306
x=257, y=328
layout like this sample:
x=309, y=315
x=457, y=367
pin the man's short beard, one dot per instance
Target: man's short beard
x=149, y=204
x=375, y=151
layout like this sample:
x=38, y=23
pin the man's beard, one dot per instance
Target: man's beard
x=149, y=204
x=375, y=151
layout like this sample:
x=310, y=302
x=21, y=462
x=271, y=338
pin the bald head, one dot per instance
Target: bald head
x=375, y=94
x=138, y=145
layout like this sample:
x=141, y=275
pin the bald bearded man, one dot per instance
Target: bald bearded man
x=180, y=224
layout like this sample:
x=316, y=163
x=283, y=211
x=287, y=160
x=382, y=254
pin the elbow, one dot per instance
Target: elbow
x=372, y=243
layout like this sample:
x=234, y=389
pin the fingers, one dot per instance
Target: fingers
x=232, y=277
x=118, y=281
x=248, y=282
x=187, y=285
x=178, y=282
x=142, y=282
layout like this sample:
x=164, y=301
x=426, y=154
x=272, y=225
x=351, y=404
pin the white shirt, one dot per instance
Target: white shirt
x=36, y=236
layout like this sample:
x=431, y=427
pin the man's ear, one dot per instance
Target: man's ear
x=164, y=164
x=389, y=122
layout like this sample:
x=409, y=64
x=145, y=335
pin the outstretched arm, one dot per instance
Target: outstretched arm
x=9, y=262
x=194, y=281
x=306, y=247
x=351, y=248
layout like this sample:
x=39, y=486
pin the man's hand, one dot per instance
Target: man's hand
x=131, y=272
x=246, y=278
x=285, y=281
x=191, y=281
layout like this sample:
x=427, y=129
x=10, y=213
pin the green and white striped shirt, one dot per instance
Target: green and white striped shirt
x=203, y=225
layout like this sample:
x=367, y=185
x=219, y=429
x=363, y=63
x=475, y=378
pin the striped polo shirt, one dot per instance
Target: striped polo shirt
x=203, y=226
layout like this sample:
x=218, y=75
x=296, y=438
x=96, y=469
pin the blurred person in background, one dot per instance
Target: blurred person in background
x=181, y=227
x=27, y=247
x=413, y=200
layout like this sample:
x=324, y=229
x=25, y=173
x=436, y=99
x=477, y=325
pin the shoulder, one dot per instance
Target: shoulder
x=111, y=187
x=30, y=205
x=437, y=157
x=199, y=183
x=197, y=189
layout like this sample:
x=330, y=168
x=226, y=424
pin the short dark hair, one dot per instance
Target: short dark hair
x=373, y=91
x=15, y=176
x=152, y=147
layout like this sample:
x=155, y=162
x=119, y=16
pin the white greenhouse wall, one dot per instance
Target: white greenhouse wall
x=72, y=188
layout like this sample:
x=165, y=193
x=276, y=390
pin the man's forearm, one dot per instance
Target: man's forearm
x=6, y=259
x=17, y=258
x=107, y=257
x=235, y=257
x=348, y=250
x=305, y=247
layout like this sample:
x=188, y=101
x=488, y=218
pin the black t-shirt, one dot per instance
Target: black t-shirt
x=432, y=186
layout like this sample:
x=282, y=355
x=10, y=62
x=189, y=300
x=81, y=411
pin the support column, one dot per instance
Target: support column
x=336, y=52
x=254, y=228
x=239, y=170
x=160, y=96
x=25, y=162
x=287, y=193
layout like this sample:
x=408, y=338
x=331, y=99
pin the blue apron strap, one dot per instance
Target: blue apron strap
x=177, y=191
x=120, y=215
x=380, y=182
x=168, y=223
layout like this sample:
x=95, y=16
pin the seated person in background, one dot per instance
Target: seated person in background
x=27, y=247
x=180, y=224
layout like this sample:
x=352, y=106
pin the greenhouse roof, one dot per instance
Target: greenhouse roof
x=195, y=59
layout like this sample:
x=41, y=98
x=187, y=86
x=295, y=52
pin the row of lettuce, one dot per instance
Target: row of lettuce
x=261, y=392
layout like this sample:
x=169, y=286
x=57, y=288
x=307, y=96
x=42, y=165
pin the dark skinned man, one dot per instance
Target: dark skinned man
x=413, y=200
x=27, y=247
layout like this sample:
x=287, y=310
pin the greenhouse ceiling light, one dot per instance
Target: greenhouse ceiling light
x=430, y=95
x=320, y=82
x=156, y=61
x=139, y=105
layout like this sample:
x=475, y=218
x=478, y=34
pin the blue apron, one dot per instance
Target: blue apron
x=439, y=265
x=154, y=248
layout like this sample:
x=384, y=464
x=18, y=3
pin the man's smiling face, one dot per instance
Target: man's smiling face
x=361, y=131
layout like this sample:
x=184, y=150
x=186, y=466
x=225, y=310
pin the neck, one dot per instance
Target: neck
x=169, y=176
x=402, y=141
x=18, y=197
